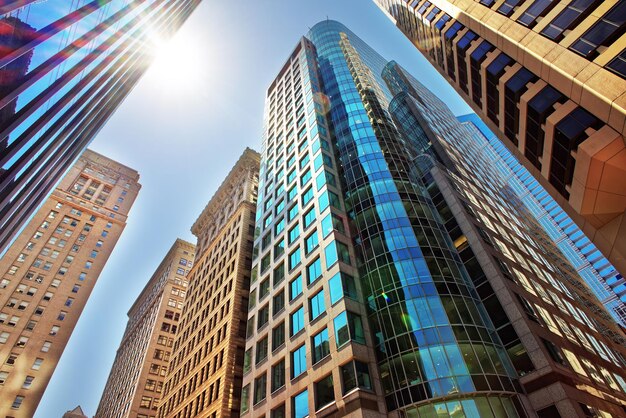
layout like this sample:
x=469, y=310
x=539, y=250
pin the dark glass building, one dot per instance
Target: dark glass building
x=395, y=274
x=64, y=69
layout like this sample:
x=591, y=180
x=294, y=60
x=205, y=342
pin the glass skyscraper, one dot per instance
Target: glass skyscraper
x=394, y=272
x=65, y=66
x=607, y=284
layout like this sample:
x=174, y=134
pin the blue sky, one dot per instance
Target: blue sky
x=182, y=128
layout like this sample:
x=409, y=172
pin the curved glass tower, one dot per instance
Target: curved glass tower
x=394, y=273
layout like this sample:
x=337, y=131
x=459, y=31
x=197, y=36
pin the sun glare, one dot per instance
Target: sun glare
x=177, y=65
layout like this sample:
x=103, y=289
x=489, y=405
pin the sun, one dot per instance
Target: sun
x=177, y=64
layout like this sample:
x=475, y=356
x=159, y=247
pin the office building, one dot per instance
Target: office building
x=135, y=384
x=48, y=273
x=394, y=274
x=549, y=78
x=606, y=283
x=64, y=69
x=205, y=371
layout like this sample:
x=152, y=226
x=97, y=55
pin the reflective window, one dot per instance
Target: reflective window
x=298, y=361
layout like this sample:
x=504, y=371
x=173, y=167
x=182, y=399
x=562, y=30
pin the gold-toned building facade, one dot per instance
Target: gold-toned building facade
x=549, y=78
x=135, y=384
x=204, y=376
x=48, y=273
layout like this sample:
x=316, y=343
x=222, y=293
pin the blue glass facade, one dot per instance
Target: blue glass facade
x=607, y=284
x=64, y=68
x=433, y=338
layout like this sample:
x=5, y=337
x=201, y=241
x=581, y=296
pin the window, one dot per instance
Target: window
x=300, y=404
x=294, y=233
x=264, y=316
x=278, y=336
x=278, y=302
x=146, y=402
x=264, y=288
x=316, y=305
x=314, y=271
x=11, y=359
x=324, y=392
x=28, y=382
x=570, y=16
x=538, y=8
x=294, y=259
x=293, y=212
x=4, y=336
x=309, y=217
x=278, y=375
x=260, y=388
x=355, y=374
x=17, y=402
x=295, y=288
x=341, y=285
x=46, y=346
x=37, y=364
x=307, y=196
x=3, y=377
x=261, y=351
x=296, y=321
x=245, y=399
x=310, y=243
x=602, y=33
x=279, y=227
x=247, y=361
x=348, y=326
x=321, y=347
x=298, y=361
x=279, y=249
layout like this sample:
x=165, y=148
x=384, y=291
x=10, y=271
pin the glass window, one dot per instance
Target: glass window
x=247, y=361
x=603, y=32
x=263, y=316
x=278, y=375
x=294, y=259
x=311, y=242
x=316, y=305
x=279, y=248
x=341, y=285
x=295, y=287
x=278, y=302
x=355, y=374
x=348, y=326
x=279, y=273
x=565, y=20
x=309, y=217
x=296, y=321
x=306, y=177
x=261, y=351
x=293, y=212
x=279, y=227
x=307, y=196
x=245, y=399
x=332, y=222
x=298, y=361
x=321, y=346
x=324, y=392
x=260, y=388
x=314, y=271
x=294, y=233
x=278, y=336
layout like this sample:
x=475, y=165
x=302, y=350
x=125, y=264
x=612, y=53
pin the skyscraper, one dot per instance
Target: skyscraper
x=48, y=273
x=135, y=384
x=205, y=371
x=394, y=273
x=599, y=274
x=64, y=69
x=548, y=77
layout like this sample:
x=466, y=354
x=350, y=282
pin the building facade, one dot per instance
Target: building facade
x=64, y=69
x=48, y=273
x=205, y=371
x=135, y=384
x=393, y=275
x=549, y=78
x=607, y=284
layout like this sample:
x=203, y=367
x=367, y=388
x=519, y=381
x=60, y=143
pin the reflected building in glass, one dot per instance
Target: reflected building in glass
x=64, y=69
x=394, y=273
x=549, y=78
